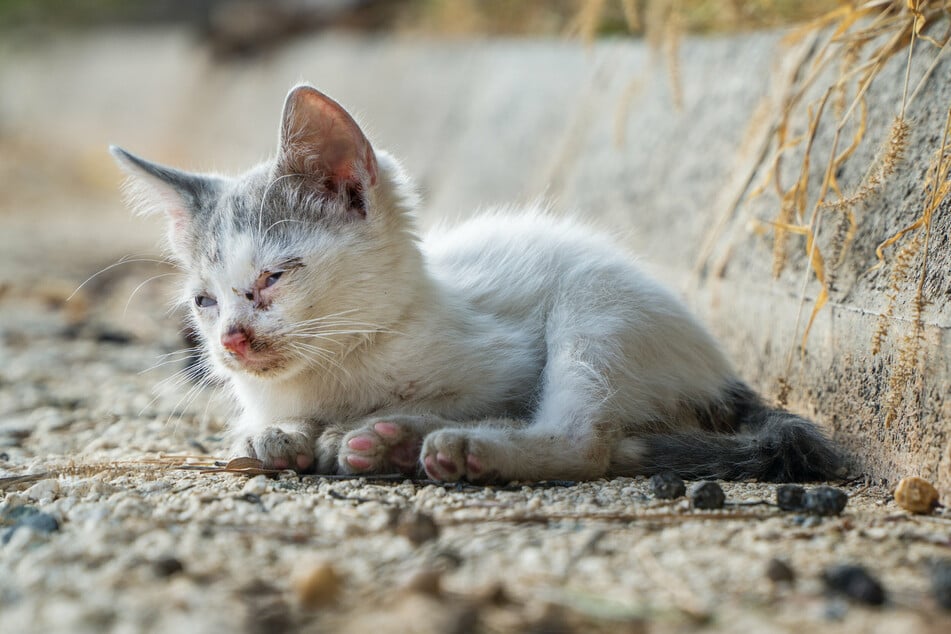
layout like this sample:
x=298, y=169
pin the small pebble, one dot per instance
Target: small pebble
x=824, y=500
x=941, y=583
x=855, y=583
x=835, y=609
x=40, y=522
x=29, y=517
x=16, y=514
x=778, y=571
x=916, y=495
x=43, y=490
x=418, y=528
x=707, y=495
x=167, y=566
x=426, y=581
x=257, y=485
x=667, y=485
x=789, y=497
x=317, y=585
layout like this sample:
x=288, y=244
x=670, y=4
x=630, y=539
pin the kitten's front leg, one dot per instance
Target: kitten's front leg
x=386, y=444
x=284, y=445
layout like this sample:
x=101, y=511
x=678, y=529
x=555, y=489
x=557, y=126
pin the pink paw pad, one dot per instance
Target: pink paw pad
x=279, y=463
x=445, y=462
x=359, y=462
x=360, y=443
x=304, y=461
x=473, y=465
x=386, y=429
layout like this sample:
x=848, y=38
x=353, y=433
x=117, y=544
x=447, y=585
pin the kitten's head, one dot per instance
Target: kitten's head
x=301, y=260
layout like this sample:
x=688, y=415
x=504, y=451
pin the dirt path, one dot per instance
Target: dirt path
x=111, y=534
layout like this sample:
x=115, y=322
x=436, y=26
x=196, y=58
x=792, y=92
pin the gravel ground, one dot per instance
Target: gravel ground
x=108, y=523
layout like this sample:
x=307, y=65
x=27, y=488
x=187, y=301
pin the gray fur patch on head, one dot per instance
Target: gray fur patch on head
x=186, y=198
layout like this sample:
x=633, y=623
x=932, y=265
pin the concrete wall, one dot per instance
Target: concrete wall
x=482, y=123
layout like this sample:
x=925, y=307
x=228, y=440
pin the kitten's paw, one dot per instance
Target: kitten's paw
x=451, y=454
x=279, y=449
x=381, y=445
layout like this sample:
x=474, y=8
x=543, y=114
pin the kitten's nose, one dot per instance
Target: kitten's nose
x=237, y=341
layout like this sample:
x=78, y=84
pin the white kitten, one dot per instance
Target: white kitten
x=513, y=347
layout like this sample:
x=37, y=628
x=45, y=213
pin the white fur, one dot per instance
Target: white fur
x=509, y=304
x=514, y=346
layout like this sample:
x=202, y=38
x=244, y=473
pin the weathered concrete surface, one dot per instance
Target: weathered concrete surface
x=483, y=123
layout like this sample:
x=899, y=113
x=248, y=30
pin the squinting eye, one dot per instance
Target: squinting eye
x=204, y=301
x=273, y=278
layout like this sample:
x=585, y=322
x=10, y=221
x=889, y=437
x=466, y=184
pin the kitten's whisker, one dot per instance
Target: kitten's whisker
x=322, y=354
x=161, y=387
x=164, y=363
x=136, y=289
x=122, y=260
x=180, y=408
x=324, y=318
x=274, y=224
x=177, y=379
x=181, y=377
x=338, y=324
x=184, y=351
x=333, y=333
x=362, y=325
x=264, y=196
x=318, y=359
x=164, y=359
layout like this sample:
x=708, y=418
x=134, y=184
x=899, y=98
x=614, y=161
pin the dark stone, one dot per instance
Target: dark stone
x=167, y=566
x=40, y=522
x=789, y=497
x=667, y=485
x=778, y=571
x=418, y=528
x=30, y=517
x=855, y=583
x=17, y=514
x=707, y=495
x=825, y=501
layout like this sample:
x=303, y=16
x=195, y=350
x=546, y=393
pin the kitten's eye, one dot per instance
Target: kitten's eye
x=273, y=278
x=204, y=301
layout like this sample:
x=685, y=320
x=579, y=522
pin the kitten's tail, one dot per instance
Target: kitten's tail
x=769, y=444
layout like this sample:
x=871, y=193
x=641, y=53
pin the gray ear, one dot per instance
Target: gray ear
x=180, y=195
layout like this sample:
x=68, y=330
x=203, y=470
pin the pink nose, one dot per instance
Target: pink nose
x=237, y=341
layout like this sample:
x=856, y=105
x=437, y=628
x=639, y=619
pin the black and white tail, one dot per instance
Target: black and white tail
x=764, y=444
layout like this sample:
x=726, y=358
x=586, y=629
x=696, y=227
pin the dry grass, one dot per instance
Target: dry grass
x=594, y=18
x=858, y=38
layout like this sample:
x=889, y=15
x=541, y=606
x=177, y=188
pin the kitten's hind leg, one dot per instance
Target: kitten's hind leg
x=568, y=438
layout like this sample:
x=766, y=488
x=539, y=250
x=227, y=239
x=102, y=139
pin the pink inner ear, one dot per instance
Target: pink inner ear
x=319, y=138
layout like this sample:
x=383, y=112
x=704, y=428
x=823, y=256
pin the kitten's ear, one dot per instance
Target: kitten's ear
x=320, y=140
x=180, y=195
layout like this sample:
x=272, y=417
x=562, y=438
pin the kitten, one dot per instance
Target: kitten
x=513, y=347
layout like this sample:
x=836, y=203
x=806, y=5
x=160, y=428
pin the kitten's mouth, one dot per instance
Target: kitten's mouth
x=245, y=352
x=262, y=361
x=255, y=363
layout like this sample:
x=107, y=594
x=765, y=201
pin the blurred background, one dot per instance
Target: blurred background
x=699, y=132
x=199, y=84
